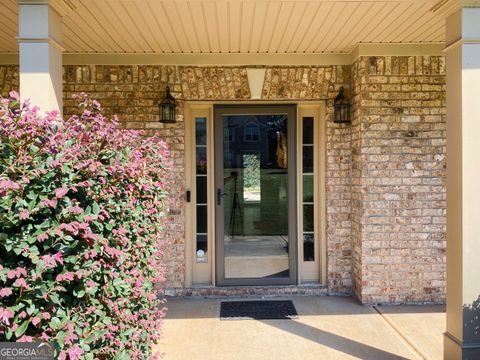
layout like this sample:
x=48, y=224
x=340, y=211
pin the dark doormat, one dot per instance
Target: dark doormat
x=258, y=310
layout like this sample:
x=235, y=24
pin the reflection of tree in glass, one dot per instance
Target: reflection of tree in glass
x=471, y=320
x=251, y=172
x=277, y=124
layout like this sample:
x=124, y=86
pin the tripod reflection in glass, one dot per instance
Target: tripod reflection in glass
x=236, y=206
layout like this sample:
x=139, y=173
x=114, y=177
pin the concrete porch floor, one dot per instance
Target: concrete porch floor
x=327, y=328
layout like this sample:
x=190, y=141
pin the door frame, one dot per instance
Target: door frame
x=256, y=109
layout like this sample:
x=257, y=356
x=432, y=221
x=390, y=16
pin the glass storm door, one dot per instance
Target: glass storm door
x=255, y=193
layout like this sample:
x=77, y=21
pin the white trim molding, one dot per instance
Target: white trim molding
x=256, y=78
x=49, y=41
x=245, y=59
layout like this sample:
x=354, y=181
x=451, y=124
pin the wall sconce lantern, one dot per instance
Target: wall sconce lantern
x=167, y=108
x=342, y=108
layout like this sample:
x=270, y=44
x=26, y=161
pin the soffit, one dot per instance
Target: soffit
x=234, y=26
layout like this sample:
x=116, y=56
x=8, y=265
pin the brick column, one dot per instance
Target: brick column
x=462, y=338
x=398, y=179
x=40, y=54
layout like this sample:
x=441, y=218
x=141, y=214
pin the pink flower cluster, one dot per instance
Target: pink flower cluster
x=82, y=204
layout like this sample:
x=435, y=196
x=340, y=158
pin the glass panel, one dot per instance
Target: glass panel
x=308, y=130
x=201, y=160
x=201, y=189
x=308, y=159
x=251, y=177
x=308, y=247
x=256, y=200
x=308, y=218
x=202, y=219
x=308, y=188
x=201, y=131
x=202, y=243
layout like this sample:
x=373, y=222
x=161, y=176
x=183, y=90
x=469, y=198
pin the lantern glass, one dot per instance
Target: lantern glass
x=342, y=108
x=167, y=108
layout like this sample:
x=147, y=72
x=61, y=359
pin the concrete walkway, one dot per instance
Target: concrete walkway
x=327, y=328
x=421, y=326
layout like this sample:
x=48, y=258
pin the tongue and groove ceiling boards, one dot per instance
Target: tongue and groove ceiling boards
x=234, y=26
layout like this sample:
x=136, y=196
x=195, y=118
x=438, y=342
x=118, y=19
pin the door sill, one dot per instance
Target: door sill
x=310, y=289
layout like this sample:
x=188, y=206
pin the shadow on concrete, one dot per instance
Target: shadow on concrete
x=333, y=341
x=198, y=308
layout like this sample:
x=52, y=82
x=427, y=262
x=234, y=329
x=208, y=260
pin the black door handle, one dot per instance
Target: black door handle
x=220, y=194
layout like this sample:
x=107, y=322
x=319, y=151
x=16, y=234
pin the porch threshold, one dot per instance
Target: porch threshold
x=208, y=291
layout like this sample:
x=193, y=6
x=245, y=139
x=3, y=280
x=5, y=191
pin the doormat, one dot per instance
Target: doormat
x=258, y=310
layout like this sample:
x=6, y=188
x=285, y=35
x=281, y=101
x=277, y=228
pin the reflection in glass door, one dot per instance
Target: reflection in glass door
x=255, y=195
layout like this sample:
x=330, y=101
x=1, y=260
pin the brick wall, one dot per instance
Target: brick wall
x=385, y=188
x=132, y=92
x=398, y=179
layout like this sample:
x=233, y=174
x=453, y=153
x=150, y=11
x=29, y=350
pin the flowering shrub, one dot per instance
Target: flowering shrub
x=81, y=210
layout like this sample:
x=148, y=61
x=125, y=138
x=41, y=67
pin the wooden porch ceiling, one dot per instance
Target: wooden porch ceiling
x=235, y=26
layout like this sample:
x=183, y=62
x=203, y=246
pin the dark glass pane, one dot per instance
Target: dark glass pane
x=308, y=159
x=202, y=242
x=307, y=188
x=202, y=247
x=307, y=217
x=202, y=219
x=308, y=247
x=201, y=189
x=308, y=130
x=201, y=160
x=201, y=131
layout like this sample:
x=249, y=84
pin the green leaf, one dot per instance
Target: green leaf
x=31, y=309
x=31, y=205
x=22, y=328
x=54, y=298
x=49, y=161
x=122, y=355
x=55, y=323
x=40, y=265
x=79, y=294
x=95, y=208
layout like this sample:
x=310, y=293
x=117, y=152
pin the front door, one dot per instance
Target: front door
x=255, y=195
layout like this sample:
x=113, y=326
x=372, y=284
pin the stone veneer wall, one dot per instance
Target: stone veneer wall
x=385, y=173
x=398, y=179
x=9, y=79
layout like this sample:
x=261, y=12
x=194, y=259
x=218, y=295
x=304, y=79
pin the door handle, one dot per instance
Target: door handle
x=220, y=194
